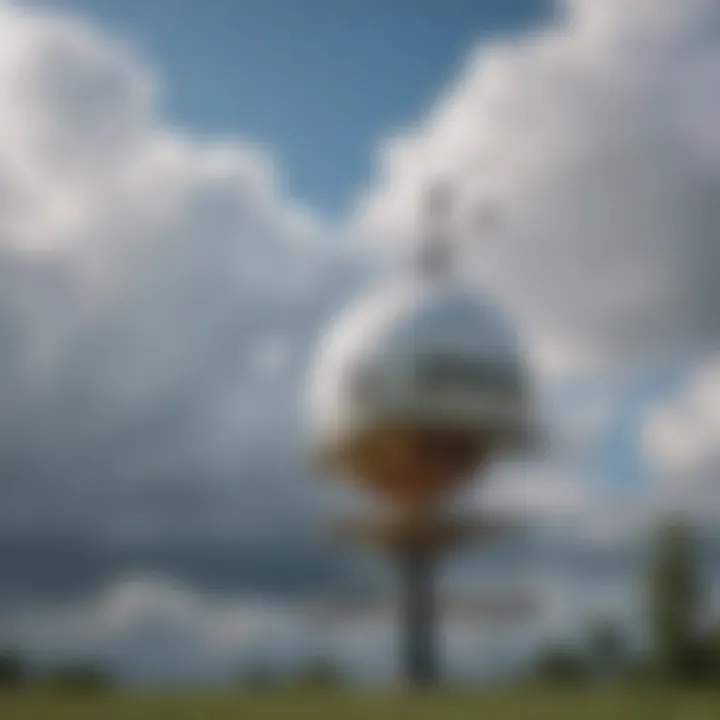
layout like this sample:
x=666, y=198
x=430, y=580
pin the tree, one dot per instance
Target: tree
x=79, y=678
x=560, y=664
x=606, y=645
x=713, y=651
x=320, y=672
x=674, y=600
x=12, y=671
x=258, y=676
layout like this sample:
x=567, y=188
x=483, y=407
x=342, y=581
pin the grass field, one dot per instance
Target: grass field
x=534, y=705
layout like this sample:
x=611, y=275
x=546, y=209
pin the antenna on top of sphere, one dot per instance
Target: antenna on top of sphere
x=438, y=243
x=435, y=255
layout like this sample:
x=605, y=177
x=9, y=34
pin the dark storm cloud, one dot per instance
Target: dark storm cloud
x=51, y=570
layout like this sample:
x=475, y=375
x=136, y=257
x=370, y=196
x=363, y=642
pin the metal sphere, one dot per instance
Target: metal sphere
x=415, y=387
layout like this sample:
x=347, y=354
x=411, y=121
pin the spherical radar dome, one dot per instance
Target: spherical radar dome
x=414, y=387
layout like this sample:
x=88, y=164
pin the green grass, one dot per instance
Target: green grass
x=531, y=704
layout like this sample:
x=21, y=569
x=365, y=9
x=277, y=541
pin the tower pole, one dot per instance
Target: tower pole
x=419, y=616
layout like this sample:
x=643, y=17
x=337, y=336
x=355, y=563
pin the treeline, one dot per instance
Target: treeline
x=683, y=641
x=320, y=673
x=15, y=674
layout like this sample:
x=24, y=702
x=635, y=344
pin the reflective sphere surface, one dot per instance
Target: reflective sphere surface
x=414, y=387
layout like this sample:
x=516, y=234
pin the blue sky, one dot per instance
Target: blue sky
x=318, y=82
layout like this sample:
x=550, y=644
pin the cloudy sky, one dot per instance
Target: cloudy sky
x=188, y=192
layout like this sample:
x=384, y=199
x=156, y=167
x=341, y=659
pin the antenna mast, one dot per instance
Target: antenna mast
x=436, y=245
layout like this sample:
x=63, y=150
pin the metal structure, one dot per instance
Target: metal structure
x=414, y=391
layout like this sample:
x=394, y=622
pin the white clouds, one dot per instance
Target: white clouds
x=146, y=628
x=639, y=17
x=679, y=441
x=141, y=268
x=681, y=437
x=596, y=136
x=77, y=113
